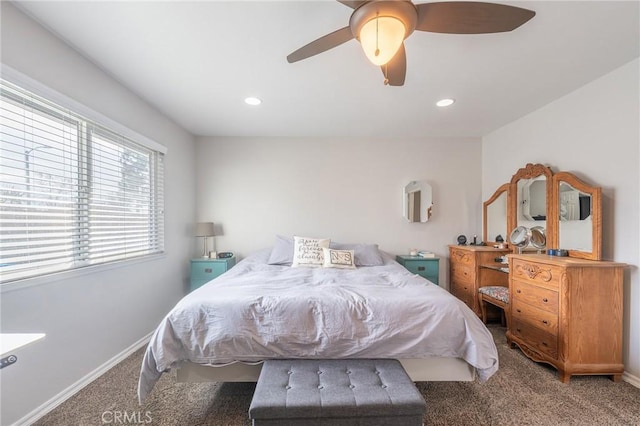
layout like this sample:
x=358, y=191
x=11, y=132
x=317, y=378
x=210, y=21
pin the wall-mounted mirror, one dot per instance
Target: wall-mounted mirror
x=530, y=201
x=578, y=213
x=418, y=201
x=495, y=215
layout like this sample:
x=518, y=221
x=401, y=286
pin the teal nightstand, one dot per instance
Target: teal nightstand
x=204, y=270
x=426, y=267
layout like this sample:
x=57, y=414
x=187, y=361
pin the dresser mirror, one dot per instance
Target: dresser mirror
x=578, y=212
x=530, y=204
x=519, y=238
x=495, y=215
x=418, y=201
x=538, y=238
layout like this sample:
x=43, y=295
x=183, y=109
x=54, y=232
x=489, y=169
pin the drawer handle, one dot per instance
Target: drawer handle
x=208, y=270
x=420, y=268
x=545, y=300
x=545, y=322
x=518, y=291
x=544, y=344
x=518, y=329
x=518, y=310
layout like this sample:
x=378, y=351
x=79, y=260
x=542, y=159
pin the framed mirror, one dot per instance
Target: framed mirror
x=578, y=214
x=494, y=215
x=530, y=199
x=418, y=201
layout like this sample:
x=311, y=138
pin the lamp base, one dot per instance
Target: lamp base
x=205, y=250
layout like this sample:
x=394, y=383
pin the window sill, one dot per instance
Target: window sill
x=74, y=273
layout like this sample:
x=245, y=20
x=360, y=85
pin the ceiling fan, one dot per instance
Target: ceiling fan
x=382, y=25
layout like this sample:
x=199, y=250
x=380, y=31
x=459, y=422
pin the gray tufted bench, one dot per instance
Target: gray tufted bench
x=371, y=392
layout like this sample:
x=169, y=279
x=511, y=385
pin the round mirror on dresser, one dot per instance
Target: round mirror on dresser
x=538, y=238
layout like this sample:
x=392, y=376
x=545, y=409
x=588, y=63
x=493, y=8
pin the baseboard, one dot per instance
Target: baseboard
x=630, y=378
x=43, y=409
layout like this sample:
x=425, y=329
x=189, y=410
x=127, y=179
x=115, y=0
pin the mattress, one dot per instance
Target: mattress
x=257, y=311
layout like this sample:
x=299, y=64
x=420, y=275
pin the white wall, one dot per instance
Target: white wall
x=594, y=133
x=91, y=318
x=349, y=190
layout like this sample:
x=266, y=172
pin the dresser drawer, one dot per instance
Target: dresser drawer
x=544, y=320
x=538, y=273
x=461, y=257
x=463, y=292
x=462, y=274
x=540, y=340
x=538, y=297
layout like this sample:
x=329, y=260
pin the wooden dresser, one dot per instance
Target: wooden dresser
x=466, y=272
x=567, y=312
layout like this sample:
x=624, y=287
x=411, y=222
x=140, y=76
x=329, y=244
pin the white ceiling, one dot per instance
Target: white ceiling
x=197, y=61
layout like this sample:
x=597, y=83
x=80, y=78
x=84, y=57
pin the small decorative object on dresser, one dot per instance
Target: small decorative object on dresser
x=567, y=312
x=426, y=267
x=204, y=270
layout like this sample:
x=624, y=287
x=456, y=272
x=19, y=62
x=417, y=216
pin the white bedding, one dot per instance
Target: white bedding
x=258, y=311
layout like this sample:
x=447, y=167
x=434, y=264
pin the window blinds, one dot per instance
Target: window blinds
x=73, y=193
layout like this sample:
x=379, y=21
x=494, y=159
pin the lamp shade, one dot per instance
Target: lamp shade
x=204, y=229
x=381, y=38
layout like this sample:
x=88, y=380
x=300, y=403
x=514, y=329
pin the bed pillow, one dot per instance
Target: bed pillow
x=343, y=259
x=365, y=254
x=308, y=251
x=282, y=251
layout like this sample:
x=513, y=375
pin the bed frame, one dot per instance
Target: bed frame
x=434, y=369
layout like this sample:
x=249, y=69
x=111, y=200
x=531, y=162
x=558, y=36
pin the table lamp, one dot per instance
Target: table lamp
x=204, y=230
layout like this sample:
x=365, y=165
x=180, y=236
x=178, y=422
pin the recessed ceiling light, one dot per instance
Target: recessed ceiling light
x=253, y=101
x=445, y=102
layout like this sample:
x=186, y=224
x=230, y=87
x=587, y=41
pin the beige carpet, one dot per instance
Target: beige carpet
x=520, y=393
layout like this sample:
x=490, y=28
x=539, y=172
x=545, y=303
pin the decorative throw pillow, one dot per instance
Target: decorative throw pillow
x=338, y=259
x=365, y=254
x=308, y=251
x=282, y=252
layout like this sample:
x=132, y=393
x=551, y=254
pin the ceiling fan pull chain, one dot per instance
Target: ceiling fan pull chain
x=377, y=23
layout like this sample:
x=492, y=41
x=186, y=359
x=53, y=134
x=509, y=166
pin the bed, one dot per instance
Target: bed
x=257, y=311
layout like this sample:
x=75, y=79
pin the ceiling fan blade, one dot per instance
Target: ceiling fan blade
x=322, y=44
x=353, y=4
x=396, y=69
x=470, y=17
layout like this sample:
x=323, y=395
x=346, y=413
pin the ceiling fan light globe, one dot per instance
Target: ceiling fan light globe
x=383, y=37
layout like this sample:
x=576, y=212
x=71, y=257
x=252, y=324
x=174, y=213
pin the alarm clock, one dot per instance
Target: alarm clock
x=462, y=240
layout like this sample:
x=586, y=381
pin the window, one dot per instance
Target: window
x=73, y=193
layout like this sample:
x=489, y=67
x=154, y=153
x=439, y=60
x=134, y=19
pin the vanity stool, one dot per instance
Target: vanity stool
x=346, y=392
x=498, y=296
